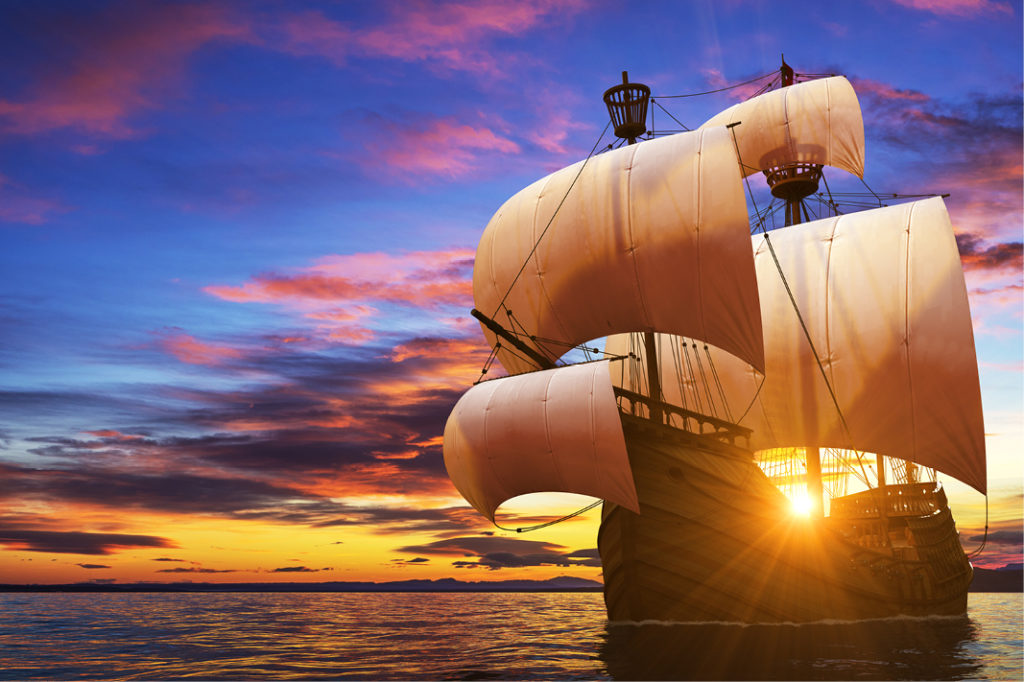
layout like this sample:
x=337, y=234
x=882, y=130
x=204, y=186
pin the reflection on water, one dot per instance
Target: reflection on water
x=916, y=649
x=472, y=637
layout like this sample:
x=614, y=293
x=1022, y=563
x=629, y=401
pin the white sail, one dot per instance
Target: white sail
x=882, y=293
x=816, y=122
x=652, y=237
x=551, y=431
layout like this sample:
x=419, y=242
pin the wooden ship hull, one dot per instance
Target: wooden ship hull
x=715, y=540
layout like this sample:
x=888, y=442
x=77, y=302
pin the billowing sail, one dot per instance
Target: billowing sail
x=817, y=122
x=551, y=431
x=652, y=237
x=883, y=296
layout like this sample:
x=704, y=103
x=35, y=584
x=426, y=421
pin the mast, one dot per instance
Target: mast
x=793, y=183
x=627, y=107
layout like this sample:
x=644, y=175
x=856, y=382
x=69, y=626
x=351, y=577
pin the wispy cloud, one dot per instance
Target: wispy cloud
x=18, y=204
x=75, y=542
x=191, y=350
x=342, y=293
x=432, y=149
x=495, y=553
x=959, y=8
x=449, y=36
x=127, y=59
x=886, y=91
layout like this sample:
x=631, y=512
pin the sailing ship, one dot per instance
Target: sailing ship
x=829, y=361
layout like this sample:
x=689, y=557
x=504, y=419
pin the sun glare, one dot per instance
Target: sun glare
x=802, y=505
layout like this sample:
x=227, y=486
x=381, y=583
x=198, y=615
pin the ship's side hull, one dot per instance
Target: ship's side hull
x=716, y=541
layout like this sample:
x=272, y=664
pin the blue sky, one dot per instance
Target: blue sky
x=238, y=240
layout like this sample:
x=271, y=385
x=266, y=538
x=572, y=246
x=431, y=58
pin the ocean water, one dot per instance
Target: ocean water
x=473, y=637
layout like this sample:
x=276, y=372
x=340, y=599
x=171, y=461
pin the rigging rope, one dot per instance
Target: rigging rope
x=800, y=318
x=527, y=529
x=711, y=92
x=550, y=220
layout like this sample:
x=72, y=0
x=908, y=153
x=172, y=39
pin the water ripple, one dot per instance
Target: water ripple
x=470, y=637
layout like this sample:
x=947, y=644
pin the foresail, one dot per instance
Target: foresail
x=652, y=236
x=883, y=295
x=551, y=431
x=815, y=122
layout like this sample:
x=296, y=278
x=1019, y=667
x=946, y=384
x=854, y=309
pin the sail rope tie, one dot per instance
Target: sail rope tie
x=752, y=400
x=488, y=362
x=831, y=200
x=863, y=182
x=551, y=221
x=546, y=524
x=513, y=321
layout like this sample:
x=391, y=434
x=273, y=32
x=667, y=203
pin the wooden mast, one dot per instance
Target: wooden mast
x=627, y=107
x=793, y=183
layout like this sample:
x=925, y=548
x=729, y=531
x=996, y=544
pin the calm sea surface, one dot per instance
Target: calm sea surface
x=473, y=637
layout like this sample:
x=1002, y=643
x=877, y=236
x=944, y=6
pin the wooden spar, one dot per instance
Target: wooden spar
x=541, y=361
x=814, y=488
x=627, y=107
x=651, y=352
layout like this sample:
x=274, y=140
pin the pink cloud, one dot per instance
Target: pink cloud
x=341, y=293
x=111, y=434
x=126, y=62
x=958, y=7
x=191, y=350
x=441, y=147
x=866, y=86
x=451, y=35
x=17, y=205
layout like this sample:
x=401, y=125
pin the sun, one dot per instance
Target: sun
x=801, y=505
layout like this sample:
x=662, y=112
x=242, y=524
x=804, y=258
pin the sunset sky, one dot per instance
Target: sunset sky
x=238, y=240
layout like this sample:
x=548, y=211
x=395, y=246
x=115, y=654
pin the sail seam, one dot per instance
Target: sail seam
x=632, y=238
x=547, y=433
x=536, y=256
x=828, y=116
x=490, y=460
x=906, y=333
x=828, y=302
x=700, y=209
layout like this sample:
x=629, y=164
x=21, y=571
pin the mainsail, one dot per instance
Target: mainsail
x=650, y=237
x=816, y=122
x=882, y=294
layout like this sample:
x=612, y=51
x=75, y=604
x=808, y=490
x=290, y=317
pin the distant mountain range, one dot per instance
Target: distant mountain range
x=559, y=584
x=1009, y=578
